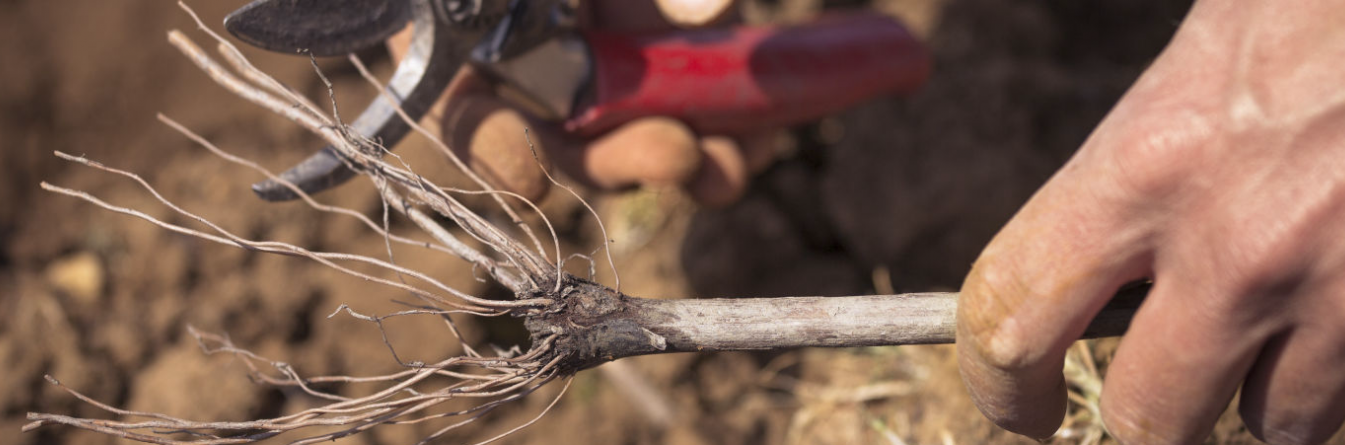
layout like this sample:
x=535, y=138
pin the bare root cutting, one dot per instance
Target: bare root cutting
x=575, y=324
x=407, y=396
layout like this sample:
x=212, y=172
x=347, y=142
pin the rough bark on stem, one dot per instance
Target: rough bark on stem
x=596, y=324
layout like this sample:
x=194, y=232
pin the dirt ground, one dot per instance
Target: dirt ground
x=896, y=195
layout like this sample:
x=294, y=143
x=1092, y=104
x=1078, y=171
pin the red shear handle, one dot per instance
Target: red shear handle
x=740, y=79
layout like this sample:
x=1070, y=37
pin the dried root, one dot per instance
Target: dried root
x=407, y=396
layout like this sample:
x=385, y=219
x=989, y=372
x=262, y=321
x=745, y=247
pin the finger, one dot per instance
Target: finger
x=1032, y=293
x=660, y=16
x=651, y=150
x=760, y=149
x=501, y=143
x=723, y=175
x=1295, y=394
x=466, y=81
x=1179, y=365
x=488, y=134
x=729, y=163
x=399, y=43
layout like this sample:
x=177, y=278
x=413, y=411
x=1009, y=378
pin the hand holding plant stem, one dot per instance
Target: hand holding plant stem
x=1221, y=177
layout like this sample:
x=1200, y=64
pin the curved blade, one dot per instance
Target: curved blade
x=435, y=53
x=324, y=27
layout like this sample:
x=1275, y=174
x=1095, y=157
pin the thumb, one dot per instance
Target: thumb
x=1033, y=292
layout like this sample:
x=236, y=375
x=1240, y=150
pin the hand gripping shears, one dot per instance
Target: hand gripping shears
x=726, y=80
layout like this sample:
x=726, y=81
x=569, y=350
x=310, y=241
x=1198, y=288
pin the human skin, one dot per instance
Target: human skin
x=1220, y=176
x=488, y=130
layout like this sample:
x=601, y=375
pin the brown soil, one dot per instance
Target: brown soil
x=899, y=191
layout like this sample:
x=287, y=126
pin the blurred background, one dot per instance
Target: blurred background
x=898, y=194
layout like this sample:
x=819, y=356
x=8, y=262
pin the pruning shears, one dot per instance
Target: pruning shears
x=723, y=80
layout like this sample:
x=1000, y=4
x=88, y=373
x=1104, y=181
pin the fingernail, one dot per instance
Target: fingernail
x=693, y=13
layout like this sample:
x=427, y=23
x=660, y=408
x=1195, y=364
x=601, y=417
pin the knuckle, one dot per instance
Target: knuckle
x=985, y=313
x=1262, y=261
x=1154, y=156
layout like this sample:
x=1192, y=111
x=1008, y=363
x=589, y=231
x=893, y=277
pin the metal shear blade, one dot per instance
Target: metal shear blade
x=320, y=27
x=328, y=27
